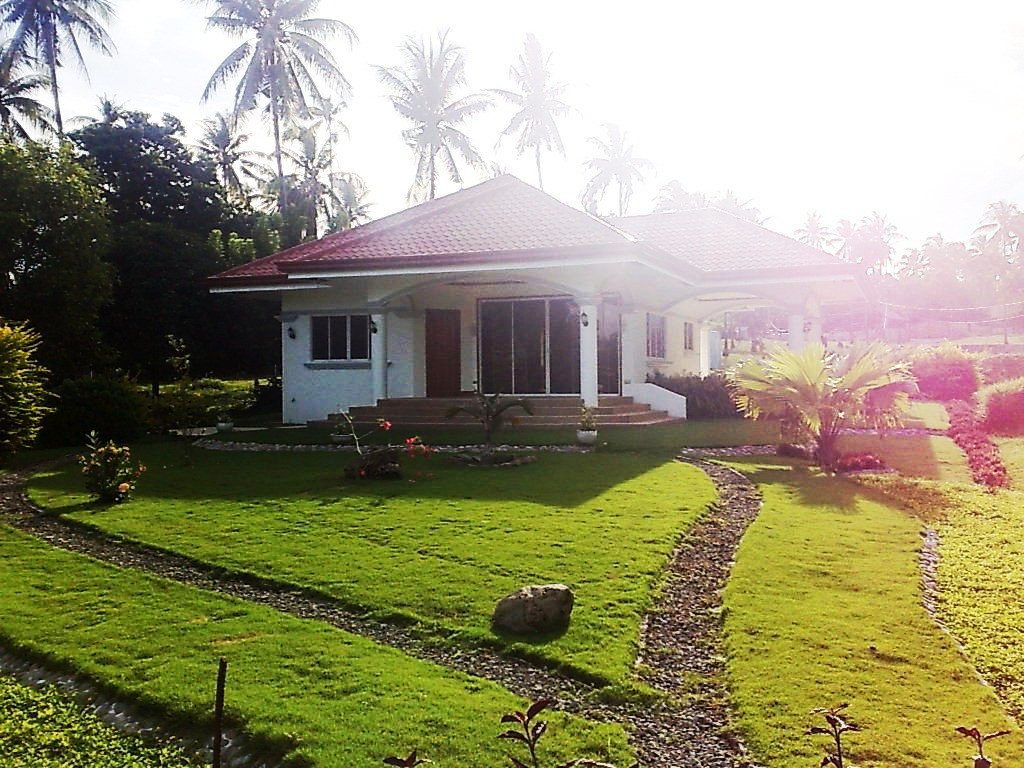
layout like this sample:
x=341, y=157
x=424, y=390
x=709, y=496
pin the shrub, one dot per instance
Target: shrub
x=1001, y=407
x=707, y=397
x=109, y=472
x=995, y=368
x=945, y=372
x=198, y=403
x=22, y=396
x=855, y=462
x=113, y=408
x=983, y=458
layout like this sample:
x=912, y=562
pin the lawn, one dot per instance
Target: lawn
x=326, y=697
x=824, y=606
x=1012, y=451
x=659, y=437
x=926, y=414
x=43, y=728
x=438, y=549
x=932, y=457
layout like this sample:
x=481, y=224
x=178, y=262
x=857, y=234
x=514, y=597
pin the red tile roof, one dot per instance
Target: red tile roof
x=507, y=218
x=713, y=240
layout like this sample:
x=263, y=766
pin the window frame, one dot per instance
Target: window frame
x=657, y=336
x=688, y=336
x=329, y=321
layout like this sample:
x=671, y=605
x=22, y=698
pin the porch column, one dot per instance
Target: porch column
x=796, y=331
x=588, y=353
x=705, y=349
x=813, y=312
x=379, y=355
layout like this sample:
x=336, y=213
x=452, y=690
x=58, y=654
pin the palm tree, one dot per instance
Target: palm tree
x=352, y=206
x=280, y=61
x=1001, y=225
x=815, y=233
x=816, y=394
x=672, y=198
x=617, y=164
x=313, y=163
x=425, y=92
x=49, y=28
x=847, y=236
x=325, y=114
x=19, y=109
x=745, y=209
x=914, y=263
x=538, y=103
x=877, y=236
x=223, y=146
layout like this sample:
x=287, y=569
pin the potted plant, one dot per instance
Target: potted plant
x=586, y=433
x=224, y=422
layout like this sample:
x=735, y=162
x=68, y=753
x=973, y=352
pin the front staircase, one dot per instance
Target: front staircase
x=548, y=410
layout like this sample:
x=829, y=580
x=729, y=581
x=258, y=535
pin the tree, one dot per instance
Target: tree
x=425, y=91
x=673, y=198
x=1002, y=225
x=538, y=103
x=22, y=393
x=351, y=195
x=50, y=28
x=815, y=233
x=223, y=146
x=745, y=209
x=315, y=192
x=53, y=233
x=279, y=63
x=615, y=164
x=816, y=394
x=19, y=109
x=876, y=236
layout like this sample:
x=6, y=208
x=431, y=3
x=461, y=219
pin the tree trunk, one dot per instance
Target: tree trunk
x=622, y=202
x=431, y=170
x=540, y=177
x=282, y=194
x=57, y=117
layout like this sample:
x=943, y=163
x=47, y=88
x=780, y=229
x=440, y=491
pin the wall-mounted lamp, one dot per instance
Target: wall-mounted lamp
x=584, y=319
x=291, y=332
x=373, y=327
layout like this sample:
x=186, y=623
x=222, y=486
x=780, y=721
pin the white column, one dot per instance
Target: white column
x=588, y=354
x=705, y=349
x=379, y=355
x=813, y=320
x=796, y=331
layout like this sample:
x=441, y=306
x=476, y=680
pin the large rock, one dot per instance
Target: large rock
x=534, y=610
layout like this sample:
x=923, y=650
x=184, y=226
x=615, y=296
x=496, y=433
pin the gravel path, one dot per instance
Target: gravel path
x=679, y=640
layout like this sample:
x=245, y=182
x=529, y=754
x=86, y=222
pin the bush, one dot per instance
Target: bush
x=109, y=473
x=996, y=368
x=198, y=403
x=707, y=397
x=856, y=462
x=983, y=458
x=112, y=408
x=1001, y=407
x=945, y=372
x=22, y=396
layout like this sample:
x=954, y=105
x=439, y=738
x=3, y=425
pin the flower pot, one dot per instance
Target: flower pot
x=225, y=426
x=586, y=436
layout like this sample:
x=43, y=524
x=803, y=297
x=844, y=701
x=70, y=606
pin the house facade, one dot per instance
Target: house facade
x=503, y=288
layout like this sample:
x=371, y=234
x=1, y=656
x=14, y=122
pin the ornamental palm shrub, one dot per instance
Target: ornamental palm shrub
x=22, y=393
x=1001, y=407
x=816, y=394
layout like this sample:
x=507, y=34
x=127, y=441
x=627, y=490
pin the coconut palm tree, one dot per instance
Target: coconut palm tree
x=282, y=61
x=49, y=29
x=847, y=241
x=914, y=263
x=425, y=91
x=325, y=115
x=313, y=162
x=673, y=198
x=745, y=209
x=877, y=236
x=538, y=103
x=19, y=109
x=351, y=205
x=1002, y=226
x=816, y=394
x=224, y=146
x=615, y=164
x=815, y=233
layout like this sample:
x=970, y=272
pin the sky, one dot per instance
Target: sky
x=913, y=109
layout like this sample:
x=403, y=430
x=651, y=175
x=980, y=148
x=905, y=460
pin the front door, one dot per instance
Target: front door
x=444, y=352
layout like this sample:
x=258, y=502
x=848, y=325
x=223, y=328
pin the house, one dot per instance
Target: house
x=502, y=286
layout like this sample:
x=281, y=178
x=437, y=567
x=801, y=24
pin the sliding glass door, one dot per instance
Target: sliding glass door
x=529, y=346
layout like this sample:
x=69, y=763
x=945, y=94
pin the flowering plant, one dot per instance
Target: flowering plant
x=109, y=472
x=588, y=421
x=347, y=428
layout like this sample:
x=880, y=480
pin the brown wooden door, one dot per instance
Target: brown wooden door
x=444, y=352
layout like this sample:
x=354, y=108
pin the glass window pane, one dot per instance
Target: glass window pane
x=320, y=345
x=360, y=336
x=339, y=338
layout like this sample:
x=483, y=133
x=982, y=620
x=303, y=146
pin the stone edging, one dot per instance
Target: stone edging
x=236, y=445
x=691, y=730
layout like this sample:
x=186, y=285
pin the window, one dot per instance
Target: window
x=655, y=336
x=688, y=337
x=340, y=337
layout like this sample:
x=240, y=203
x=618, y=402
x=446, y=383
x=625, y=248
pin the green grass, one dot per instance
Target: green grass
x=43, y=728
x=1012, y=451
x=823, y=607
x=661, y=437
x=335, y=699
x=927, y=414
x=440, y=550
x=932, y=457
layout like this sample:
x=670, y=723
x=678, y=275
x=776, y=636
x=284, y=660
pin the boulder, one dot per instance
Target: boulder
x=535, y=609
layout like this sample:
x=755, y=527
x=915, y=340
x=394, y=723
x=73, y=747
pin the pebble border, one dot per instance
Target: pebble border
x=685, y=731
x=238, y=445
